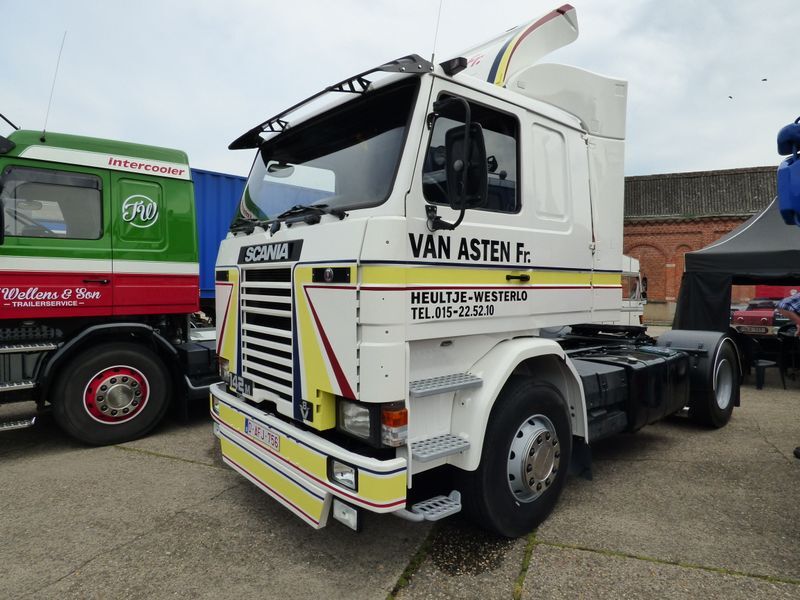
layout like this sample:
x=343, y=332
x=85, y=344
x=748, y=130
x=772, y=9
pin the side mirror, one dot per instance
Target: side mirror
x=467, y=173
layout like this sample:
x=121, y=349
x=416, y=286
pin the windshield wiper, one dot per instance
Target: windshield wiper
x=245, y=224
x=315, y=209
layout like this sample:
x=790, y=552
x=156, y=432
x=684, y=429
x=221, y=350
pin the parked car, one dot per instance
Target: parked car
x=759, y=318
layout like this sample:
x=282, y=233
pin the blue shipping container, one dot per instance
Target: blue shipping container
x=216, y=196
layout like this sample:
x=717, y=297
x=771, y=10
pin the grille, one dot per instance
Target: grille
x=267, y=330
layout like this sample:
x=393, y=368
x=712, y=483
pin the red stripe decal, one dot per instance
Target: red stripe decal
x=341, y=379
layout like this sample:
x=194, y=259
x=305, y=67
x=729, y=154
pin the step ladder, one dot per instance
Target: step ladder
x=29, y=347
x=443, y=384
x=17, y=424
x=13, y=386
x=438, y=446
x=433, y=509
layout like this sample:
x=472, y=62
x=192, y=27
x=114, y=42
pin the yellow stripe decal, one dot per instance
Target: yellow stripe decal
x=373, y=488
x=405, y=275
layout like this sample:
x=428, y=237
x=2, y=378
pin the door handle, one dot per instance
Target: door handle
x=523, y=277
x=100, y=281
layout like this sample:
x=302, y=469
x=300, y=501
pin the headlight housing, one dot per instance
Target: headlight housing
x=355, y=419
x=224, y=372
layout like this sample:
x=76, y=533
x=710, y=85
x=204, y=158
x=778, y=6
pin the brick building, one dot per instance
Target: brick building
x=671, y=214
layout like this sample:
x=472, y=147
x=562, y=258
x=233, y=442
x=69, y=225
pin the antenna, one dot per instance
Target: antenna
x=53, y=87
x=2, y=116
x=436, y=34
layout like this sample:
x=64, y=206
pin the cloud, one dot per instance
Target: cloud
x=196, y=74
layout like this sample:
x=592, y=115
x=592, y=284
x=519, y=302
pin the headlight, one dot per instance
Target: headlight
x=343, y=474
x=355, y=419
x=224, y=373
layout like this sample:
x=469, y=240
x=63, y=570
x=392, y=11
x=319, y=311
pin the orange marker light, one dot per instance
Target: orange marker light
x=397, y=417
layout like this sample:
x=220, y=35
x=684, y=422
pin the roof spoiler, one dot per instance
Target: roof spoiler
x=413, y=64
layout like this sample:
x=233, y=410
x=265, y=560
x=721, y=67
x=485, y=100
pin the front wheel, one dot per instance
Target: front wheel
x=526, y=453
x=111, y=393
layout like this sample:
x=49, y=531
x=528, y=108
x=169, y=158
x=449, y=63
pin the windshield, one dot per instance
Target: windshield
x=344, y=159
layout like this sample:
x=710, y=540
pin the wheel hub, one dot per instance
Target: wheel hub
x=533, y=459
x=116, y=395
x=723, y=383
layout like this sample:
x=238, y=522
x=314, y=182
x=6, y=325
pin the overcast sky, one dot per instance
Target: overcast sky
x=194, y=74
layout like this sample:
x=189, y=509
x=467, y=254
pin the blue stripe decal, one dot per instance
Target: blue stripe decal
x=296, y=388
x=266, y=464
x=498, y=59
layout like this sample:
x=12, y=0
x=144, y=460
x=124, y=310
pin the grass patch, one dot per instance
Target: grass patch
x=519, y=582
x=661, y=561
x=413, y=565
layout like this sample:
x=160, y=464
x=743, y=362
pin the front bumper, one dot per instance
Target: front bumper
x=291, y=464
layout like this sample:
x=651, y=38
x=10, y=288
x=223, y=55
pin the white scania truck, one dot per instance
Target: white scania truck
x=404, y=237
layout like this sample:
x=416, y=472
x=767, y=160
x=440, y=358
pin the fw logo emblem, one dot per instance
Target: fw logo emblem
x=140, y=211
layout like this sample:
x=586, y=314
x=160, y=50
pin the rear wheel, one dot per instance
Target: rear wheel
x=111, y=393
x=714, y=407
x=526, y=452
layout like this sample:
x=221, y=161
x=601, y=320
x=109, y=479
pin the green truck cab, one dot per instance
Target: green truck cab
x=98, y=276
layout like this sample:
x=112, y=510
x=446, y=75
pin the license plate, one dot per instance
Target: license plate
x=261, y=432
x=752, y=329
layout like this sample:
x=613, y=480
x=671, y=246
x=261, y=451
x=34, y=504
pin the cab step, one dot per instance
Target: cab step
x=443, y=384
x=437, y=447
x=17, y=424
x=30, y=347
x=13, y=386
x=433, y=509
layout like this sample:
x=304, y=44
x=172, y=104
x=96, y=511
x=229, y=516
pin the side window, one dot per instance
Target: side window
x=500, y=132
x=550, y=182
x=51, y=204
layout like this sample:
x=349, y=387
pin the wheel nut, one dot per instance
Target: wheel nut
x=135, y=403
x=124, y=411
x=113, y=380
x=538, y=486
x=558, y=454
x=124, y=379
x=528, y=468
x=138, y=393
x=539, y=440
x=113, y=413
x=547, y=481
x=100, y=398
x=134, y=384
x=532, y=452
x=546, y=435
x=104, y=408
x=531, y=482
x=104, y=387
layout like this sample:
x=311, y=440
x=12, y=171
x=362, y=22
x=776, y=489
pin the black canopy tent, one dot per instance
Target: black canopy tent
x=761, y=250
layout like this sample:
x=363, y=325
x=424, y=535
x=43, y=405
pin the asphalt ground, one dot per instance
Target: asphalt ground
x=673, y=511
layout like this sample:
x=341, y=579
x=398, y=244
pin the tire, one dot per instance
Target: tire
x=528, y=432
x=713, y=407
x=111, y=393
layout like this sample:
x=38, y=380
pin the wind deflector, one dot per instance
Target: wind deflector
x=412, y=64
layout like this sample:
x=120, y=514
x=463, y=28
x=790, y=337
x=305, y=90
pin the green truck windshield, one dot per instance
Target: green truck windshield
x=345, y=158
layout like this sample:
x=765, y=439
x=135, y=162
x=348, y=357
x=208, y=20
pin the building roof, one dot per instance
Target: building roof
x=700, y=194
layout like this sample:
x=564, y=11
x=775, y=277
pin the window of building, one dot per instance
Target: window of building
x=500, y=132
x=51, y=204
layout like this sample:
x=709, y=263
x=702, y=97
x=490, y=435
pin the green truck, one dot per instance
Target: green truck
x=98, y=278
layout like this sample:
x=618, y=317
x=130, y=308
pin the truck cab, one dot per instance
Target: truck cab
x=396, y=255
x=98, y=277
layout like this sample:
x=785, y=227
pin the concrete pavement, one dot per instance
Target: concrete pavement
x=673, y=511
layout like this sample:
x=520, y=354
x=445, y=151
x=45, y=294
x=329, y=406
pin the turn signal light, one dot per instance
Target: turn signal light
x=397, y=417
x=394, y=425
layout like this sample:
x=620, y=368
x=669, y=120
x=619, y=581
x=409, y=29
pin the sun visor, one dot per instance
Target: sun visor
x=496, y=61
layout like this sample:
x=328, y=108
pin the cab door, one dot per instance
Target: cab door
x=155, y=245
x=55, y=255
